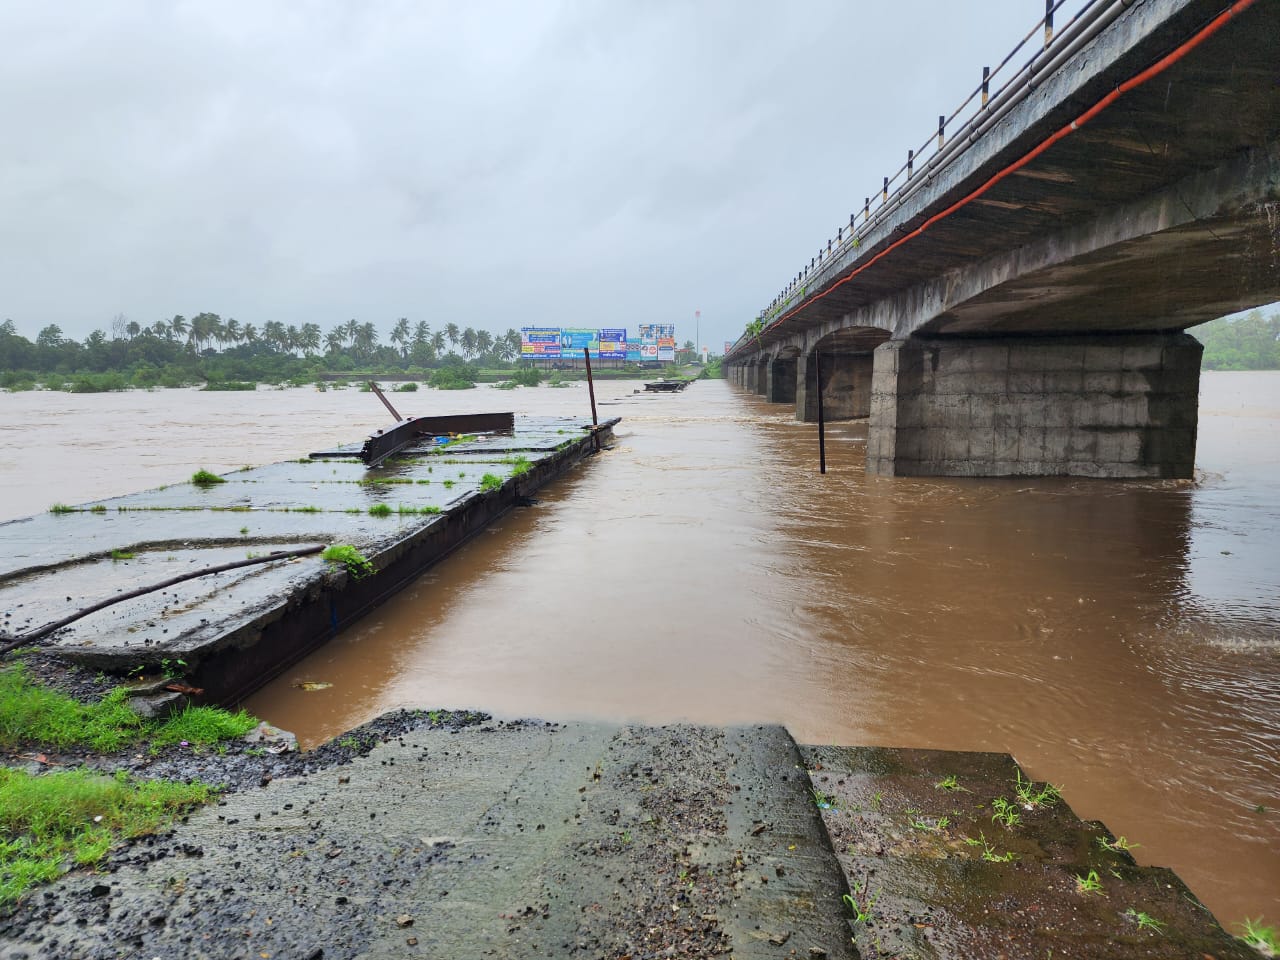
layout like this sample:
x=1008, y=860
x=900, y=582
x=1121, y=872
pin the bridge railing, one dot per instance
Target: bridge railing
x=1055, y=48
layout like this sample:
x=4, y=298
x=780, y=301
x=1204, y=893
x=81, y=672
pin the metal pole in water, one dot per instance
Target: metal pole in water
x=591, y=389
x=822, y=426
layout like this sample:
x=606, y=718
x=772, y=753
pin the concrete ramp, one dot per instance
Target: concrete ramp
x=524, y=840
x=530, y=839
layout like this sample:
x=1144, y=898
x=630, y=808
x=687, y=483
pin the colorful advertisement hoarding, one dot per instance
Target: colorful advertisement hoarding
x=656, y=331
x=667, y=349
x=540, y=343
x=648, y=349
x=613, y=344
x=634, y=349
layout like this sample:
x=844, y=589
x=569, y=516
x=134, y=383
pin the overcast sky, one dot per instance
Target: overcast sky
x=491, y=164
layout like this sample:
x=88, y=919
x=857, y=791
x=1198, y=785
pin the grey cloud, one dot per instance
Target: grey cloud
x=489, y=164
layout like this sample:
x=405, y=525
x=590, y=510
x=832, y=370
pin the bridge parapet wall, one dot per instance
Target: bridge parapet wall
x=1121, y=405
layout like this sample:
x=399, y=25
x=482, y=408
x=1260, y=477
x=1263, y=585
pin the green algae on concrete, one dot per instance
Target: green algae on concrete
x=918, y=835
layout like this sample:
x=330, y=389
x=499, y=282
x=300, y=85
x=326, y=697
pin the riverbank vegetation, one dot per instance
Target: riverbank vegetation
x=1250, y=342
x=228, y=355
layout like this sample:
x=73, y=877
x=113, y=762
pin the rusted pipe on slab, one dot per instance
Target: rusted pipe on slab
x=39, y=634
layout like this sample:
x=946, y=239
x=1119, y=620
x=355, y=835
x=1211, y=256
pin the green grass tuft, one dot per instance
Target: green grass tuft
x=380, y=510
x=32, y=714
x=58, y=819
x=1263, y=938
x=490, y=482
x=357, y=564
x=203, y=478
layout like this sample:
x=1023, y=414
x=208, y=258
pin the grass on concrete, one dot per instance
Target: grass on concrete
x=32, y=714
x=54, y=821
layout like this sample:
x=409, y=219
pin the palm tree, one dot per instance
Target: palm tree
x=437, y=342
x=468, y=342
x=161, y=329
x=353, y=330
x=232, y=331
x=178, y=326
x=309, y=338
x=217, y=331
x=333, y=341
x=249, y=333
x=197, y=332
x=484, y=342
x=132, y=329
x=274, y=334
x=366, y=339
x=421, y=333
x=451, y=331
x=400, y=336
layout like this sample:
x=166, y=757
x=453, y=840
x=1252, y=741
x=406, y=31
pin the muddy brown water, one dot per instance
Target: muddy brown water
x=1121, y=639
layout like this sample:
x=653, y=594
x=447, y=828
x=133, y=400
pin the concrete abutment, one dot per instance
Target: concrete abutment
x=1104, y=405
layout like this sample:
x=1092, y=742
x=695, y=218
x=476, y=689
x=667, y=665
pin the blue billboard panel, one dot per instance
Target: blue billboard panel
x=633, y=349
x=613, y=344
x=574, y=339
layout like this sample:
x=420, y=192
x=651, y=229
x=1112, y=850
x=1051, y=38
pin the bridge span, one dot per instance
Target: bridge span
x=1017, y=306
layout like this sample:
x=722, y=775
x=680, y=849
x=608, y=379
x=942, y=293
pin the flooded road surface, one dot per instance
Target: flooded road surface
x=1121, y=639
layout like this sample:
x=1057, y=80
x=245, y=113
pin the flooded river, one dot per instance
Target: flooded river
x=1120, y=639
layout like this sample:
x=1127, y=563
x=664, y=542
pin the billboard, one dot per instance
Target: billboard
x=613, y=344
x=667, y=349
x=648, y=349
x=633, y=349
x=657, y=331
x=540, y=343
x=574, y=339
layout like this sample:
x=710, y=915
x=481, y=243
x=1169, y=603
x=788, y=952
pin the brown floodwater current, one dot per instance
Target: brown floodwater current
x=1120, y=639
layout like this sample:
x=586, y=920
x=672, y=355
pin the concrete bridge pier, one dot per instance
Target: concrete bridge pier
x=846, y=386
x=782, y=379
x=1099, y=405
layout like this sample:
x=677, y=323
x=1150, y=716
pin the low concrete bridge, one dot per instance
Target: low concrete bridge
x=1017, y=305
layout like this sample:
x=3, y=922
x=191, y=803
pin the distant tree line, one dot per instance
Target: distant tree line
x=207, y=348
x=1251, y=342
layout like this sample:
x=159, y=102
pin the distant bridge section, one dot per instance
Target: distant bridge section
x=1016, y=306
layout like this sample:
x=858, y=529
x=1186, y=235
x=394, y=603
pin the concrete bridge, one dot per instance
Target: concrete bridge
x=1017, y=305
